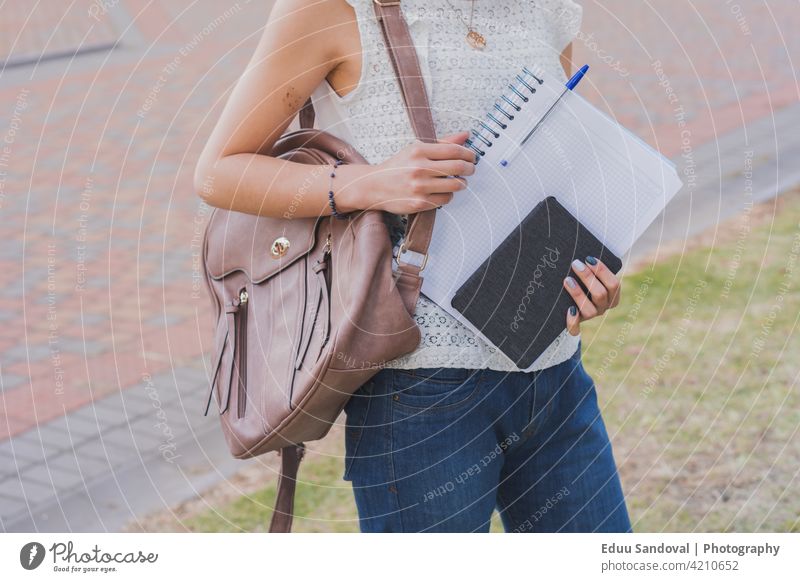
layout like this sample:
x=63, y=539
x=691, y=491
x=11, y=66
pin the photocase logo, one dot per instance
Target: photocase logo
x=31, y=555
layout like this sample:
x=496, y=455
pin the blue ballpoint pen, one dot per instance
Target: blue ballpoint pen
x=576, y=78
x=571, y=84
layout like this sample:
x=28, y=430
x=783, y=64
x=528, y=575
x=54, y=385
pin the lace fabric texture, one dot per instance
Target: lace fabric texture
x=462, y=84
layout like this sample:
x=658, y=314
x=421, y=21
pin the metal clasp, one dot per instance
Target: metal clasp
x=402, y=250
x=279, y=247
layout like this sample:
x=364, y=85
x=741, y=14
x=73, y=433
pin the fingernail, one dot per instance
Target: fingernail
x=573, y=311
x=578, y=265
x=571, y=282
x=591, y=260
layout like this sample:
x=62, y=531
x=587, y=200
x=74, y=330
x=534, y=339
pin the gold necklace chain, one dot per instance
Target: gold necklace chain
x=474, y=38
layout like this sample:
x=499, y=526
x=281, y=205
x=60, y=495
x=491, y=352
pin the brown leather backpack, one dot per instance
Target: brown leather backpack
x=309, y=309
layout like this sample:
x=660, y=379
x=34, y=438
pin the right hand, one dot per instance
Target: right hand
x=416, y=178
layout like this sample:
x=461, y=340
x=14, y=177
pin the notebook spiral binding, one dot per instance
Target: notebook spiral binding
x=504, y=109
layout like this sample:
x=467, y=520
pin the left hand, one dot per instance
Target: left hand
x=604, y=288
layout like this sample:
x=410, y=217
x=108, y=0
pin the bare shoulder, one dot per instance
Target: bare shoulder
x=312, y=18
x=301, y=44
x=327, y=29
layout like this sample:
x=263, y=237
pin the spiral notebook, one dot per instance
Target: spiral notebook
x=612, y=182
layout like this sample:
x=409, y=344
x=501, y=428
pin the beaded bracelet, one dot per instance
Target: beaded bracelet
x=330, y=191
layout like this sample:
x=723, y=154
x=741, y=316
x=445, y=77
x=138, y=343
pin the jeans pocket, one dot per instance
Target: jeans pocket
x=434, y=388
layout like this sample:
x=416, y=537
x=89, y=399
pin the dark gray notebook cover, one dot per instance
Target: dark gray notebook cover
x=517, y=298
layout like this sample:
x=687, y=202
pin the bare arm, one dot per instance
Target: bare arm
x=303, y=42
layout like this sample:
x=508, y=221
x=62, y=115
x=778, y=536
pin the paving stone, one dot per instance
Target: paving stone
x=10, y=381
x=52, y=476
x=116, y=404
x=10, y=290
x=165, y=387
x=26, y=448
x=96, y=282
x=140, y=437
x=87, y=466
x=80, y=425
x=8, y=466
x=10, y=507
x=113, y=453
x=50, y=30
x=12, y=251
x=138, y=396
x=68, y=428
x=93, y=319
x=161, y=321
x=32, y=352
x=104, y=414
x=65, y=514
x=81, y=346
x=33, y=493
x=189, y=378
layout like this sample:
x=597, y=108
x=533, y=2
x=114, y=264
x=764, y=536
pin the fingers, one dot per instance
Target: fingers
x=603, y=287
x=439, y=185
x=446, y=151
x=451, y=168
x=596, y=289
x=573, y=321
x=440, y=199
x=609, y=280
x=585, y=306
x=458, y=138
x=429, y=202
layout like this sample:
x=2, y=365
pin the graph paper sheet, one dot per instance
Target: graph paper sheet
x=611, y=181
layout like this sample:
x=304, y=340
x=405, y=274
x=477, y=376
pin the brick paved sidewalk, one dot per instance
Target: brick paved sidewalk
x=100, y=299
x=40, y=30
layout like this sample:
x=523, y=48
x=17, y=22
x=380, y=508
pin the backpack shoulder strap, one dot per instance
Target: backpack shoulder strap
x=404, y=59
x=307, y=115
x=287, y=479
x=406, y=67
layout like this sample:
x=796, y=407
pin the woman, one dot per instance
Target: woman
x=444, y=435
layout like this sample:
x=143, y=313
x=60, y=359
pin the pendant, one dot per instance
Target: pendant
x=476, y=40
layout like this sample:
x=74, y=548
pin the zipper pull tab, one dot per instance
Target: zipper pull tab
x=327, y=249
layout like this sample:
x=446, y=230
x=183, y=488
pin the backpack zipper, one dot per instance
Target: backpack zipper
x=320, y=303
x=328, y=277
x=241, y=349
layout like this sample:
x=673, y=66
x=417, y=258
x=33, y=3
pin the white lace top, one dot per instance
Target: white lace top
x=462, y=85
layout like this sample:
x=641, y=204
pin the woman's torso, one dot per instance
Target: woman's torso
x=463, y=83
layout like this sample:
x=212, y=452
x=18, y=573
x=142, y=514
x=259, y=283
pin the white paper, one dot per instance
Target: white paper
x=610, y=180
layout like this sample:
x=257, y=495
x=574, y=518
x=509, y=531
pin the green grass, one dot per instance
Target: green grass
x=700, y=390
x=698, y=384
x=323, y=502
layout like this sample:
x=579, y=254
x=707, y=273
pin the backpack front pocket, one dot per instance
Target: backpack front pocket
x=231, y=355
x=315, y=329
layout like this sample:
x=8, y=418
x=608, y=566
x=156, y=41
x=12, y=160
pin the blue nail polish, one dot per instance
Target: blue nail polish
x=573, y=311
x=591, y=260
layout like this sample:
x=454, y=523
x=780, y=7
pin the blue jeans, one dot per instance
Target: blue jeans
x=437, y=449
